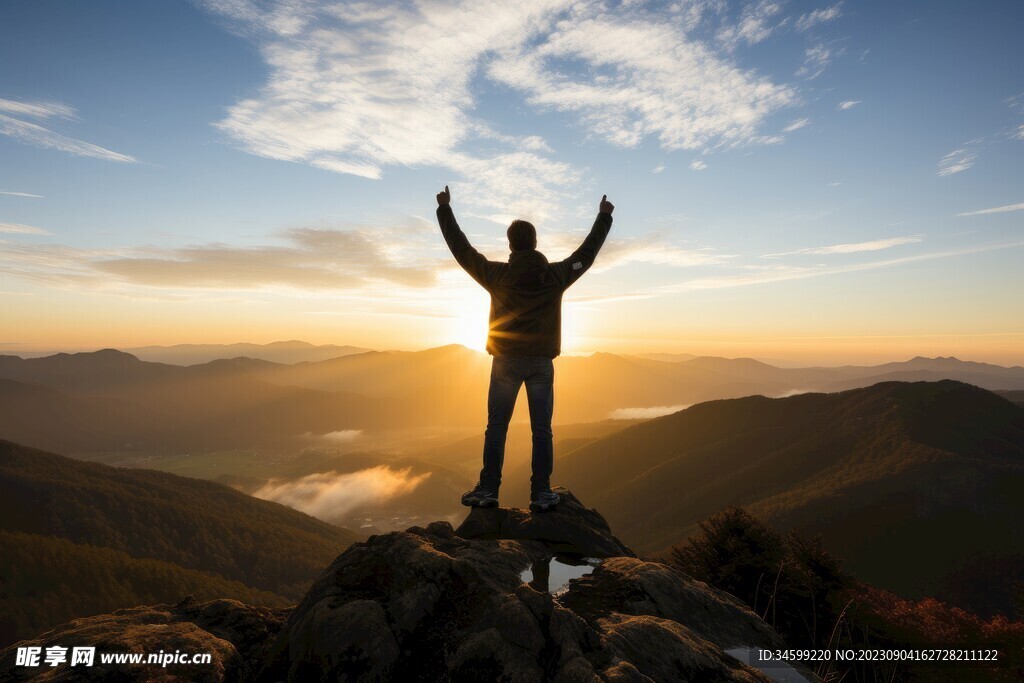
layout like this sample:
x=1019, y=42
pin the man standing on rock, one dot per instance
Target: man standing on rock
x=524, y=336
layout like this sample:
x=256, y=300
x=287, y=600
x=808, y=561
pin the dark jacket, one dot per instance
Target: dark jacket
x=526, y=292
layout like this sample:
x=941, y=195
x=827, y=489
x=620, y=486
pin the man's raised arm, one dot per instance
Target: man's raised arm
x=472, y=261
x=580, y=261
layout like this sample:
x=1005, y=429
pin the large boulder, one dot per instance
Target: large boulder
x=628, y=586
x=571, y=528
x=236, y=636
x=430, y=604
x=427, y=604
x=665, y=650
x=412, y=605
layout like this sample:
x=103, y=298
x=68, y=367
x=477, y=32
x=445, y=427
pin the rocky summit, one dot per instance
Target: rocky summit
x=438, y=604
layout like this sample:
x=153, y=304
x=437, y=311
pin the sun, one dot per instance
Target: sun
x=468, y=324
x=470, y=331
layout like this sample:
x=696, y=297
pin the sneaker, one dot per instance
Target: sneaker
x=545, y=501
x=480, y=497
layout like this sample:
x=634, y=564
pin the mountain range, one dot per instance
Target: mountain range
x=293, y=351
x=110, y=401
x=916, y=484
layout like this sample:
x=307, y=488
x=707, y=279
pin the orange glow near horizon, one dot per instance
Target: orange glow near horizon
x=470, y=331
x=455, y=312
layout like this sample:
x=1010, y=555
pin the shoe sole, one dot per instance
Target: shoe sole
x=539, y=507
x=480, y=503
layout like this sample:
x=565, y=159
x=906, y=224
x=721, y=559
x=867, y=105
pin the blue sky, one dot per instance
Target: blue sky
x=819, y=181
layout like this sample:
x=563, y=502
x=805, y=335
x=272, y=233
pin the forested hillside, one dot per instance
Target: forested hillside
x=195, y=524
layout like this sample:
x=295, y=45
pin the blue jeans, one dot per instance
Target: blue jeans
x=508, y=374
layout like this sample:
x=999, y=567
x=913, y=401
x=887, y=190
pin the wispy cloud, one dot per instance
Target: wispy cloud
x=998, y=209
x=658, y=169
x=655, y=251
x=770, y=139
x=816, y=59
x=360, y=88
x=783, y=273
x=605, y=298
x=650, y=249
x=310, y=259
x=38, y=136
x=796, y=125
x=531, y=143
x=524, y=184
x=848, y=104
x=21, y=194
x=37, y=110
x=698, y=165
x=853, y=248
x=1016, y=104
x=22, y=229
x=756, y=24
x=653, y=80
x=957, y=161
x=819, y=16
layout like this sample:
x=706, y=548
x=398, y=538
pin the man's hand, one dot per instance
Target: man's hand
x=444, y=198
x=606, y=206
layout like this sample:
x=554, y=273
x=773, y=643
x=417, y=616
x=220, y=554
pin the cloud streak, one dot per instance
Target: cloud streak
x=957, y=161
x=38, y=136
x=816, y=59
x=756, y=24
x=311, y=259
x=37, y=110
x=783, y=273
x=314, y=259
x=819, y=16
x=21, y=194
x=796, y=125
x=998, y=209
x=17, y=228
x=750, y=275
x=874, y=245
x=380, y=270
x=650, y=249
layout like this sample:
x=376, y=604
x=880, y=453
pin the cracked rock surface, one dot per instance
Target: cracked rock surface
x=438, y=604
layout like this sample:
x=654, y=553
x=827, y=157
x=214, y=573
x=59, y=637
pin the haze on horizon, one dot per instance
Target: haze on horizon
x=810, y=182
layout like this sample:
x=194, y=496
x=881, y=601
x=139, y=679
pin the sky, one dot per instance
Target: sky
x=796, y=181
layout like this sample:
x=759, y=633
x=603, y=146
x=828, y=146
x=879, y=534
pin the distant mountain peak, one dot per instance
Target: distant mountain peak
x=106, y=356
x=109, y=353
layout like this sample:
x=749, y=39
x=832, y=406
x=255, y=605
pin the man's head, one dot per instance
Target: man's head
x=521, y=236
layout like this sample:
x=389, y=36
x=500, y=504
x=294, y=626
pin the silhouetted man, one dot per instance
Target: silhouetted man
x=524, y=336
